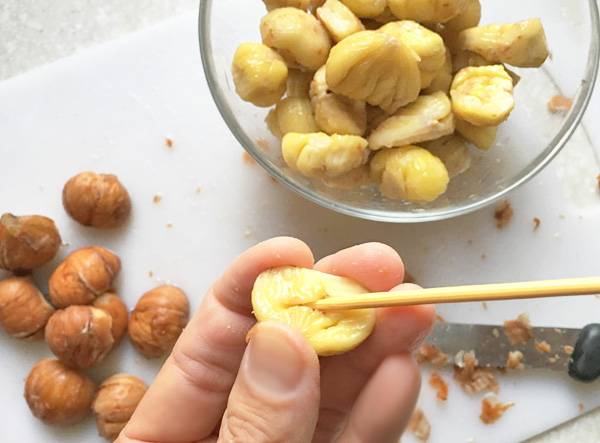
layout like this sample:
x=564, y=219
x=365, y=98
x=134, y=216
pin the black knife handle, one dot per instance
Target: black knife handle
x=584, y=364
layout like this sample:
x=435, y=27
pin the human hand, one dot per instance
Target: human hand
x=215, y=388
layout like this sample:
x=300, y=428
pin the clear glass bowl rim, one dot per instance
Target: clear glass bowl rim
x=569, y=126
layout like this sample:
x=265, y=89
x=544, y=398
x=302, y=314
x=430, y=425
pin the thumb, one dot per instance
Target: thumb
x=276, y=394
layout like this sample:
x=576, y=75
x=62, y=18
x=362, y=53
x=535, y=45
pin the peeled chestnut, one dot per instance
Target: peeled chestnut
x=114, y=305
x=23, y=309
x=158, y=319
x=58, y=394
x=98, y=200
x=85, y=274
x=115, y=402
x=27, y=242
x=80, y=336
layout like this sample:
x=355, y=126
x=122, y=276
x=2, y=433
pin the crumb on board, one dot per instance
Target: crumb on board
x=199, y=189
x=515, y=360
x=483, y=256
x=419, y=425
x=554, y=358
x=543, y=347
x=431, y=354
x=536, y=223
x=150, y=274
x=248, y=233
x=472, y=378
x=503, y=214
x=496, y=332
x=157, y=199
x=492, y=409
x=168, y=142
x=469, y=242
x=518, y=331
x=559, y=103
x=567, y=349
x=263, y=144
x=580, y=407
x=439, y=318
x=409, y=278
x=484, y=305
x=65, y=245
x=169, y=225
x=441, y=387
x=248, y=159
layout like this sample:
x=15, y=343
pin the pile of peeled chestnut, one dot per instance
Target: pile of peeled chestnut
x=83, y=318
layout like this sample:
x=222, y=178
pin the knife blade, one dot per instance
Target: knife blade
x=491, y=345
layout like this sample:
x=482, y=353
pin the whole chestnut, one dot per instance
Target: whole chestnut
x=115, y=402
x=27, y=242
x=23, y=309
x=98, y=200
x=114, y=305
x=58, y=394
x=158, y=319
x=80, y=336
x=84, y=275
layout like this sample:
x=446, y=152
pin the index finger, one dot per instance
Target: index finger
x=189, y=395
x=376, y=266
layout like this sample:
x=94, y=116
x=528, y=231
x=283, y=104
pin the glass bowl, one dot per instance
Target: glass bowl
x=526, y=143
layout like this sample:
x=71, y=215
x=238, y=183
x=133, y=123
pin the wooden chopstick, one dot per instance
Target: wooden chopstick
x=460, y=294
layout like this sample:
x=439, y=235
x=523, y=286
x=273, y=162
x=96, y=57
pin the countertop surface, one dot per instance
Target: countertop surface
x=36, y=32
x=33, y=33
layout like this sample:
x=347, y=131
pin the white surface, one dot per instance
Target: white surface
x=110, y=109
x=35, y=32
x=584, y=429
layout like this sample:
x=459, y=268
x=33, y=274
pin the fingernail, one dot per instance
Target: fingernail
x=272, y=362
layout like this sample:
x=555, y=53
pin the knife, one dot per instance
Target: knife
x=491, y=347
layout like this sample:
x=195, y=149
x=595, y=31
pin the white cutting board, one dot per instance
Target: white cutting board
x=110, y=109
